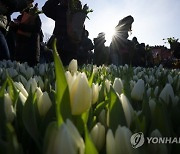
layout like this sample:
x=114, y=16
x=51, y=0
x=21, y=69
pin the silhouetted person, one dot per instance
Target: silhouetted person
x=119, y=47
x=28, y=35
x=85, y=49
x=101, y=53
x=57, y=10
x=4, y=13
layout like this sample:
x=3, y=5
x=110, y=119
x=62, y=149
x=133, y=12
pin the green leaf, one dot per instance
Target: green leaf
x=116, y=112
x=2, y=112
x=49, y=136
x=12, y=91
x=161, y=120
x=29, y=119
x=13, y=145
x=91, y=78
x=89, y=145
x=63, y=109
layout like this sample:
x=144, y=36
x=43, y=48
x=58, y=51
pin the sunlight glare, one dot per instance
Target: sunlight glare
x=109, y=33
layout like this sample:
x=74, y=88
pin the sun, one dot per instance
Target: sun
x=109, y=33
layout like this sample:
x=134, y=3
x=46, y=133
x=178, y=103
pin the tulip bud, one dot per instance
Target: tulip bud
x=38, y=92
x=21, y=88
x=8, y=108
x=170, y=79
x=157, y=148
x=167, y=93
x=29, y=72
x=80, y=103
x=122, y=141
x=22, y=79
x=95, y=93
x=118, y=85
x=110, y=143
x=12, y=72
x=69, y=78
x=31, y=84
x=102, y=117
x=120, y=144
x=152, y=105
x=128, y=110
x=22, y=69
x=44, y=104
x=98, y=136
x=138, y=90
x=66, y=140
x=73, y=66
x=175, y=100
x=108, y=84
x=22, y=98
x=149, y=92
x=39, y=81
x=42, y=69
x=156, y=90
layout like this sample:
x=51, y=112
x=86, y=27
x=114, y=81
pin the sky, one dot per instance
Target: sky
x=153, y=19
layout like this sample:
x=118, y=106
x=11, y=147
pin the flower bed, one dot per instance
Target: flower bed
x=50, y=109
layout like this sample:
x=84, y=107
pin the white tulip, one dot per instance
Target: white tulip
x=122, y=140
x=120, y=144
x=108, y=84
x=157, y=148
x=69, y=78
x=170, y=79
x=44, y=103
x=98, y=135
x=152, y=105
x=95, y=93
x=156, y=90
x=22, y=79
x=149, y=92
x=8, y=108
x=167, y=93
x=42, y=69
x=175, y=100
x=127, y=108
x=73, y=66
x=39, y=92
x=29, y=72
x=31, y=84
x=12, y=72
x=118, y=85
x=95, y=69
x=110, y=143
x=39, y=81
x=138, y=90
x=21, y=88
x=22, y=98
x=80, y=94
x=102, y=117
x=66, y=140
x=22, y=69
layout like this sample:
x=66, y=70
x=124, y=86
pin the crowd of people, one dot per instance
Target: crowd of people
x=22, y=39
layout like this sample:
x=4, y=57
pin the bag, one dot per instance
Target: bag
x=75, y=26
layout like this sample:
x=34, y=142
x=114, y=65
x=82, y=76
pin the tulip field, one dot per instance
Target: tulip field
x=51, y=109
